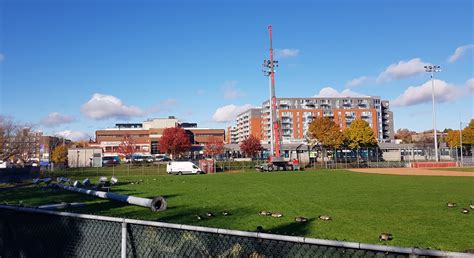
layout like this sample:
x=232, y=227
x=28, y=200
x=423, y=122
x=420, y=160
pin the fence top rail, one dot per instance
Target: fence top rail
x=325, y=242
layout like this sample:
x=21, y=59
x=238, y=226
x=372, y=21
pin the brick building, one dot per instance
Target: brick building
x=249, y=123
x=146, y=136
x=296, y=114
x=231, y=136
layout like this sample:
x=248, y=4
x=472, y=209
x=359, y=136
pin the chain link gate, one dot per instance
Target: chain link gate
x=27, y=232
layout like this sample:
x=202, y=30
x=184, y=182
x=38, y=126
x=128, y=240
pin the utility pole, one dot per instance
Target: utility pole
x=460, y=139
x=269, y=65
x=433, y=69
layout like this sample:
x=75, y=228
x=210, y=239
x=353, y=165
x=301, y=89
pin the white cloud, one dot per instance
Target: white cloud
x=164, y=105
x=459, y=52
x=106, y=106
x=2, y=57
x=402, y=70
x=231, y=91
x=329, y=92
x=359, y=81
x=54, y=119
x=73, y=135
x=444, y=92
x=169, y=102
x=286, y=52
x=229, y=113
x=470, y=84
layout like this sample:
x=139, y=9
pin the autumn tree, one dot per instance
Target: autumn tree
x=214, y=147
x=404, y=135
x=59, y=155
x=468, y=133
x=251, y=146
x=359, y=134
x=326, y=132
x=174, y=141
x=453, y=139
x=83, y=144
x=127, y=147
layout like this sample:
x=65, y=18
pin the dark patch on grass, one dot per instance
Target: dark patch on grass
x=293, y=228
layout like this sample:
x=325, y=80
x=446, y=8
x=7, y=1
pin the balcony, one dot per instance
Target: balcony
x=328, y=114
x=310, y=103
x=325, y=106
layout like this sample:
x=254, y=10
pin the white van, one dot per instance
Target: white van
x=4, y=164
x=182, y=167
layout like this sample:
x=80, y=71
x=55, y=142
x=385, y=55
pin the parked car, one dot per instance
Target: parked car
x=33, y=162
x=110, y=161
x=148, y=158
x=182, y=167
x=161, y=157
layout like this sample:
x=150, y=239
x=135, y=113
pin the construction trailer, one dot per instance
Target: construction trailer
x=84, y=157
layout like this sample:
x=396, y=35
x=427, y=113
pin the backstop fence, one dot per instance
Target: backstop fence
x=28, y=232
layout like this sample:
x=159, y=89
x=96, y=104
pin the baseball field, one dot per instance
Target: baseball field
x=361, y=205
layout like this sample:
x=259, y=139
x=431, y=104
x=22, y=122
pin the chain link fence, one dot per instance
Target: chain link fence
x=26, y=232
x=146, y=169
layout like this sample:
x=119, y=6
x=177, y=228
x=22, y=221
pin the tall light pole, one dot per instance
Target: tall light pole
x=460, y=139
x=433, y=69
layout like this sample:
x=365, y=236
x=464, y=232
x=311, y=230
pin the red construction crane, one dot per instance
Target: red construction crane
x=275, y=139
x=277, y=162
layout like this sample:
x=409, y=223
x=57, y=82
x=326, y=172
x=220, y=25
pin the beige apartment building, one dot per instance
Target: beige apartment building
x=296, y=114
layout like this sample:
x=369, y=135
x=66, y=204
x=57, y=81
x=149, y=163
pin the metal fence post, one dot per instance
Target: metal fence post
x=124, y=240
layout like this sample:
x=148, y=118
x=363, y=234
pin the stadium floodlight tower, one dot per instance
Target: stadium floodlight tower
x=269, y=70
x=432, y=69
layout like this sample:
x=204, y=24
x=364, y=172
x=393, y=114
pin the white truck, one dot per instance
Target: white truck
x=182, y=167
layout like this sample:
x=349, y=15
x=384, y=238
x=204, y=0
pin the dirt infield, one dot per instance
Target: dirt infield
x=411, y=172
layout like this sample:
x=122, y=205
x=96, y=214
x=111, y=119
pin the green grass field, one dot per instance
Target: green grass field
x=412, y=208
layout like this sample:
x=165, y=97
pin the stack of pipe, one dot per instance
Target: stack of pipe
x=156, y=204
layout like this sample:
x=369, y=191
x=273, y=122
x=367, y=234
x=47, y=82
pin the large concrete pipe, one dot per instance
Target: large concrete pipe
x=156, y=204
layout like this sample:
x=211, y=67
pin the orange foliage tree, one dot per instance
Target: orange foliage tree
x=251, y=146
x=127, y=146
x=174, y=141
x=214, y=147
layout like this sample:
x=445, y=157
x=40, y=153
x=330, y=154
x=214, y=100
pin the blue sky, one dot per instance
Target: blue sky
x=73, y=67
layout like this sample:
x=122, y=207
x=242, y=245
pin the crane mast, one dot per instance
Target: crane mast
x=275, y=138
x=276, y=161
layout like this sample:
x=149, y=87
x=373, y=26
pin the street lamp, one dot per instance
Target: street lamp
x=433, y=69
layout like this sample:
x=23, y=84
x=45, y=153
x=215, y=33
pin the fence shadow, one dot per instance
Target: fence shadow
x=293, y=229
